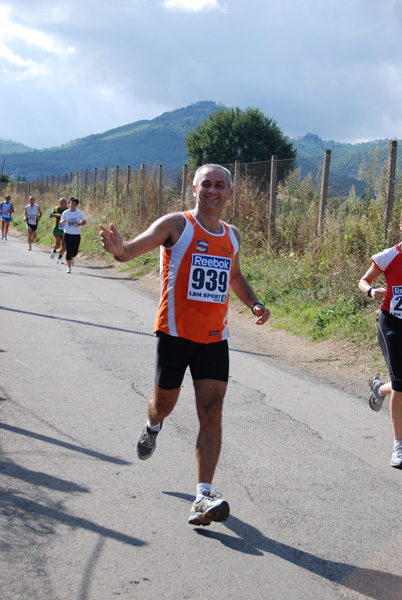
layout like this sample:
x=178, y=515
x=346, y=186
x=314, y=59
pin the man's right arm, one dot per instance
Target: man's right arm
x=165, y=230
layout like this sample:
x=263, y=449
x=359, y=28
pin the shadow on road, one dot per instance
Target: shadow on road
x=18, y=506
x=373, y=584
x=39, y=478
x=56, y=442
x=44, y=316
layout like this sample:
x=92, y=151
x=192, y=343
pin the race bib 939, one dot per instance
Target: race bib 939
x=209, y=278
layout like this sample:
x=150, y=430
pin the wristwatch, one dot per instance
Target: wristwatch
x=256, y=304
x=368, y=292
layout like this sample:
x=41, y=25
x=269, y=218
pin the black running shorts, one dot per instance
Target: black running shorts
x=175, y=354
x=389, y=335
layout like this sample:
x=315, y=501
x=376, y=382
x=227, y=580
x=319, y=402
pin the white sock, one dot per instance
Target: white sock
x=154, y=428
x=202, y=488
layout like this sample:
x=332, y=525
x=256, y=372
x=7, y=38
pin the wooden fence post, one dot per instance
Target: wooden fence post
x=128, y=185
x=116, y=183
x=105, y=183
x=324, y=190
x=77, y=184
x=389, y=199
x=273, y=180
x=95, y=178
x=235, y=185
x=142, y=187
x=160, y=172
x=184, y=188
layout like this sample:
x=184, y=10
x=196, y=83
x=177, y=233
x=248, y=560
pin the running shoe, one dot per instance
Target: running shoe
x=52, y=254
x=146, y=443
x=59, y=261
x=376, y=399
x=396, y=456
x=68, y=270
x=210, y=507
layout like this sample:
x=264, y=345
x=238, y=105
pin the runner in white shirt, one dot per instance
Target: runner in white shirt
x=32, y=216
x=71, y=222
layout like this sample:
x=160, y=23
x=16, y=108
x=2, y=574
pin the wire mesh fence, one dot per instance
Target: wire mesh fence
x=271, y=187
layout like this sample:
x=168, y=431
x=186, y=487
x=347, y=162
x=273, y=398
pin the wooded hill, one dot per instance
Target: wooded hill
x=157, y=141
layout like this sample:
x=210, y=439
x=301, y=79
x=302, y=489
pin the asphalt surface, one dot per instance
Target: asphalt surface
x=304, y=465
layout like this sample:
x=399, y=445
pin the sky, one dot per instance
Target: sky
x=79, y=67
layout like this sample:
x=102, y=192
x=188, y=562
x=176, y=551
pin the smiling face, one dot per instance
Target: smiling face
x=212, y=189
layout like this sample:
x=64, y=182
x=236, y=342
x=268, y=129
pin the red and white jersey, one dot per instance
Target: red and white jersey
x=390, y=262
x=195, y=277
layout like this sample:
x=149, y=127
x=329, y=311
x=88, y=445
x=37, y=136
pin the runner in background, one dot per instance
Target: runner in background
x=32, y=216
x=71, y=222
x=57, y=232
x=6, y=211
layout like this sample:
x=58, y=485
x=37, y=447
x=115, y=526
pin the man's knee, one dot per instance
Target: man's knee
x=209, y=409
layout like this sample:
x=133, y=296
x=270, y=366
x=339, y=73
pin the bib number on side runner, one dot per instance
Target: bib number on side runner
x=396, y=301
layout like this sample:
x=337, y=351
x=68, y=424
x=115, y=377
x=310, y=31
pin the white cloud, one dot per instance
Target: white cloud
x=195, y=5
x=73, y=69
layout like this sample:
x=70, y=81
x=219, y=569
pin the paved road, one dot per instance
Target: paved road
x=315, y=506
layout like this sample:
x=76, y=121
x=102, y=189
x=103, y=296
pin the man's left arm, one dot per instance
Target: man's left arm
x=243, y=290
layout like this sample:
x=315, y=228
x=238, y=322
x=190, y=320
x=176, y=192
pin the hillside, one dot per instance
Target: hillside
x=160, y=140
x=157, y=141
x=7, y=146
x=312, y=145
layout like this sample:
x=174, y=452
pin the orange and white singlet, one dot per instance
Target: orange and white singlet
x=195, y=276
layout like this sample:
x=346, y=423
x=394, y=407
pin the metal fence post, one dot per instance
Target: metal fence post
x=272, y=197
x=389, y=199
x=324, y=190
